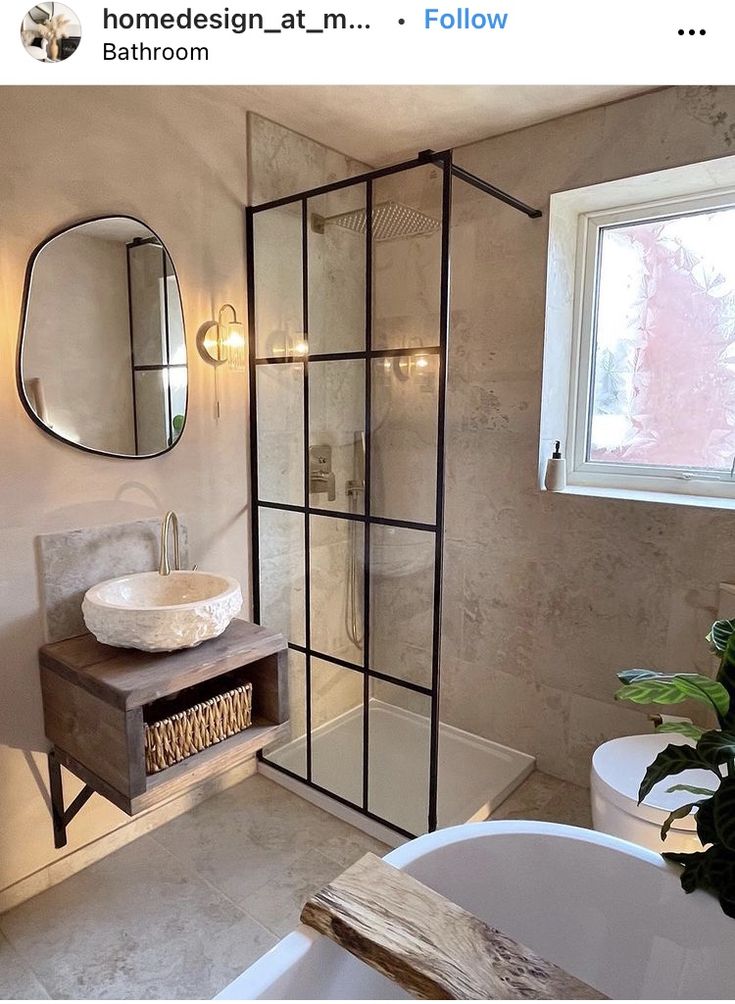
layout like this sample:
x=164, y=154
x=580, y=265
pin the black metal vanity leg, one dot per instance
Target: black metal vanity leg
x=56, y=786
x=61, y=816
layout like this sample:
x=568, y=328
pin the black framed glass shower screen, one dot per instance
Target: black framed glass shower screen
x=348, y=300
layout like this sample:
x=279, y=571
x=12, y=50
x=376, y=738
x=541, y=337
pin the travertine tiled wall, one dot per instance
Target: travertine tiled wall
x=72, y=561
x=546, y=596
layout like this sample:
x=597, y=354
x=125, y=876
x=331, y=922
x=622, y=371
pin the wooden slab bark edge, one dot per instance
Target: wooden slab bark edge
x=429, y=945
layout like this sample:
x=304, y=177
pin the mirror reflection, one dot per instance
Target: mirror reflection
x=103, y=353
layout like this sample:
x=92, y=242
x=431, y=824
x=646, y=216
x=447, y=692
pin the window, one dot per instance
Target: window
x=651, y=344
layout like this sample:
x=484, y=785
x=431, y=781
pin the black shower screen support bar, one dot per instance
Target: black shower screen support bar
x=484, y=186
x=444, y=316
x=307, y=488
x=495, y=193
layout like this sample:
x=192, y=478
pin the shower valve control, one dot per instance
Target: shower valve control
x=321, y=475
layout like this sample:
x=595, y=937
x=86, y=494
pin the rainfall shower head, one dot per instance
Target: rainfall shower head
x=391, y=221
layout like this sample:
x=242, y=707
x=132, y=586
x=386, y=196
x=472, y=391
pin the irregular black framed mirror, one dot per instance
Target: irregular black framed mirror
x=102, y=357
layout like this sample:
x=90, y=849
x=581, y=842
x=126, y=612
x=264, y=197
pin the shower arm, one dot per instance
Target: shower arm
x=430, y=156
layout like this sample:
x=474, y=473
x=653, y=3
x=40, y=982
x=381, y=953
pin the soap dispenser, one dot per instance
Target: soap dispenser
x=556, y=471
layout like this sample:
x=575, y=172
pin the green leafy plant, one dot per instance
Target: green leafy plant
x=712, y=750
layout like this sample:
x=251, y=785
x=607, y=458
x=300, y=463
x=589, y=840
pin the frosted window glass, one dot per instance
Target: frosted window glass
x=664, y=365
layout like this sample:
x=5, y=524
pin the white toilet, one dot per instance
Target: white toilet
x=618, y=767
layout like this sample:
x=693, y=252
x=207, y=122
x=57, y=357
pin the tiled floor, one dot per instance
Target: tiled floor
x=179, y=913
x=547, y=798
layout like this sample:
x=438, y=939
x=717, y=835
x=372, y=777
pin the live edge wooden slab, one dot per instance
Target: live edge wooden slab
x=428, y=945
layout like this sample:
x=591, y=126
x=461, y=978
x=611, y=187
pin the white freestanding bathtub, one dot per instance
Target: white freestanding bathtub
x=607, y=911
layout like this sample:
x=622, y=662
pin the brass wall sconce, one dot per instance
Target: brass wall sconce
x=223, y=343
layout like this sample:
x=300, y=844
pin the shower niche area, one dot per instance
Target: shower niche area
x=350, y=326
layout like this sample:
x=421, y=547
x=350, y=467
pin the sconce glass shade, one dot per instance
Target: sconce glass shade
x=223, y=342
x=234, y=343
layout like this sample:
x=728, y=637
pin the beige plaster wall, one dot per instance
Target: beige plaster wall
x=175, y=158
x=546, y=596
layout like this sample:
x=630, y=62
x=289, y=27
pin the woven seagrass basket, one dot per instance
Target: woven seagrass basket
x=188, y=732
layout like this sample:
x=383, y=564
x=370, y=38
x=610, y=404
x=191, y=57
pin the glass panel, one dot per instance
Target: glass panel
x=405, y=392
x=147, y=307
x=337, y=271
x=279, y=301
x=156, y=320
x=177, y=382
x=291, y=753
x=407, y=217
x=152, y=417
x=282, y=572
x=336, y=436
x=281, y=432
x=400, y=735
x=337, y=563
x=402, y=602
x=176, y=336
x=337, y=724
x=664, y=372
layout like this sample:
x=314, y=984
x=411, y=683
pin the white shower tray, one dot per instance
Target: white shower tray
x=475, y=774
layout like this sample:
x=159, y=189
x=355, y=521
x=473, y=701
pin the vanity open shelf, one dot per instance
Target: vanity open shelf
x=98, y=699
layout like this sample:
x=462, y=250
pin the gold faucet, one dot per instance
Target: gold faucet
x=165, y=566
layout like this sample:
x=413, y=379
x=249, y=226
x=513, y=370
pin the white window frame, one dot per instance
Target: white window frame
x=610, y=478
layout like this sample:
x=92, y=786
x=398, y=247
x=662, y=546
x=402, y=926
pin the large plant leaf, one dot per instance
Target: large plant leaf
x=682, y=728
x=673, y=688
x=706, y=823
x=695, y=873
x=633, y=675
x=720, y=634
x=723, y=812
x=727, y=903
x=680, y=813
x=726, y=677
x=713, y=870
x=716, y=817
x=717, y=747
x=672, y=760
x=691, y=789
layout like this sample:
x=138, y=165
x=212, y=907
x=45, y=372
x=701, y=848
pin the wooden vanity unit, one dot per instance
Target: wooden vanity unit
x=97, y=700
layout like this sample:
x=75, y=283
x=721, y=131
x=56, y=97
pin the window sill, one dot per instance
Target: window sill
x=638, y=495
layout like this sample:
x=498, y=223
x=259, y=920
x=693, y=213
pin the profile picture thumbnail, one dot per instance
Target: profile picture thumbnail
x=51, y=32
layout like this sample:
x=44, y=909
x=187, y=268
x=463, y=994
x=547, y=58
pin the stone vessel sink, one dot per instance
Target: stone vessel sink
x=161, y=613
